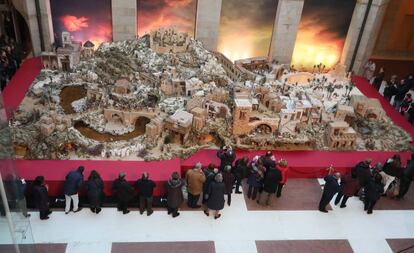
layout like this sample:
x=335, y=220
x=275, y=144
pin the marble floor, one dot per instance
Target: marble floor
x=243, y=228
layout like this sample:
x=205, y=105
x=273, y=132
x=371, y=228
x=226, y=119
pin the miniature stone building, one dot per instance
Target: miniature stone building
x=199, y=119
x=168, y=40
x=122, y=86
x=65, y=57
x=154, y=127
x=340, y=135
x=179, y=125
x=88, y=49
x=244, y=122
x=344, y=113
x=49, y=60
x=127, y=118
x=369, y=108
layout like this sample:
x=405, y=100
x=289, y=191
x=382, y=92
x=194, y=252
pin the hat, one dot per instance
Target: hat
x=121, y=175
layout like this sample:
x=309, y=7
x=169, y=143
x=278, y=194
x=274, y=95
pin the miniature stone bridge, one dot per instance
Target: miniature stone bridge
x=128, y=117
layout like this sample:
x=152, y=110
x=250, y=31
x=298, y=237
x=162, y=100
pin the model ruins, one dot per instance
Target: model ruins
x=163, y=95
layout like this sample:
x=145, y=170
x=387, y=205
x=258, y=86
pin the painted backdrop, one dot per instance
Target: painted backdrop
x=84, y=19
x=246, y=28
x=322, y=32
x=153, y=14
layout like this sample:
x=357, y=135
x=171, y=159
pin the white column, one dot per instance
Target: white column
x=369, y=36
x=285, y=30
x=124, y=19
x=208, y=22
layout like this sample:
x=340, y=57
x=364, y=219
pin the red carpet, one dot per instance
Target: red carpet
x=15, y=91
x=303, y=164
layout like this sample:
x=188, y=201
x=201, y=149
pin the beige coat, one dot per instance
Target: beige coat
x=195, y=180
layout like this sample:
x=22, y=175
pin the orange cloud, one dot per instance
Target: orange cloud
x=73, y=23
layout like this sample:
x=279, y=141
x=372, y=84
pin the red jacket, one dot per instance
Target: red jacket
x=284, y=171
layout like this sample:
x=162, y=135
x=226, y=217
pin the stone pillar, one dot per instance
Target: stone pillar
x=27, y=8
x=47, y=25
x=124, y=19
x=369, y=36
x=208, y=22
x=285, y=30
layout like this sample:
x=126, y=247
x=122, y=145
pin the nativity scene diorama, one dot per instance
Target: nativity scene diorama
x=163, y=96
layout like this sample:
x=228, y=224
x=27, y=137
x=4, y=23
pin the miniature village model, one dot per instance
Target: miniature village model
x=163, y=95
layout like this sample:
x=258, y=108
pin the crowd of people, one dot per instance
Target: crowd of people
x=396, y=90
x=211, y=187
x=368, y=183
x=10, y=59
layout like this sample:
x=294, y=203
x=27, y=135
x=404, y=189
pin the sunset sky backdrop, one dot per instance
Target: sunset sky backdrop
x=84, y=19
x=153, y=14
x=245, y=25
x=322, y=32
x=246, y=28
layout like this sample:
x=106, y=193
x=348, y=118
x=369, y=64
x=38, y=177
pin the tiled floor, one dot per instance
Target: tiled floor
x=170, y=247
x=304, y=246
x=297, y=194
x=35, y=248
x=401, y=245
x=291, y=230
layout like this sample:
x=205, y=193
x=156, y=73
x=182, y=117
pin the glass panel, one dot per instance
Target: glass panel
x=84, y=19
x=322, y=33
x=246, y=28
x=153, y=14
x=14, y=226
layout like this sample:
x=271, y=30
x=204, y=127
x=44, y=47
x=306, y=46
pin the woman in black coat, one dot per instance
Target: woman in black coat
x=174, y=194
x=41, y=197
x=216, y=193
x=373, y=192
x=95, y=191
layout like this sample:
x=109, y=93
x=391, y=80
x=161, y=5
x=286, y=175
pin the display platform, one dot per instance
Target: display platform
x=303, y=164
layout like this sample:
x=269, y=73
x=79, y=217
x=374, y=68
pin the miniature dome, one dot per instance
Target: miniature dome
x=88, y=44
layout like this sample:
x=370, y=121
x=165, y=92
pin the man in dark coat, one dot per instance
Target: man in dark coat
x=227, y=156
x=123, y=191
x=216, y=193
x=73, y=182
x=329, y=190
x=174, y=194
x=373, y=192
x=145, y=191
x=271, y=180
x=228, y=180
x=406, y=178
x=363, y=172
x=41, y=197
x=209, y=172
x=239, y=172
x=269, y=161
x=95, y=187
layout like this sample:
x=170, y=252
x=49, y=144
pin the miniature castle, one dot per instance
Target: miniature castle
x=65, y=58
x=168, y=40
